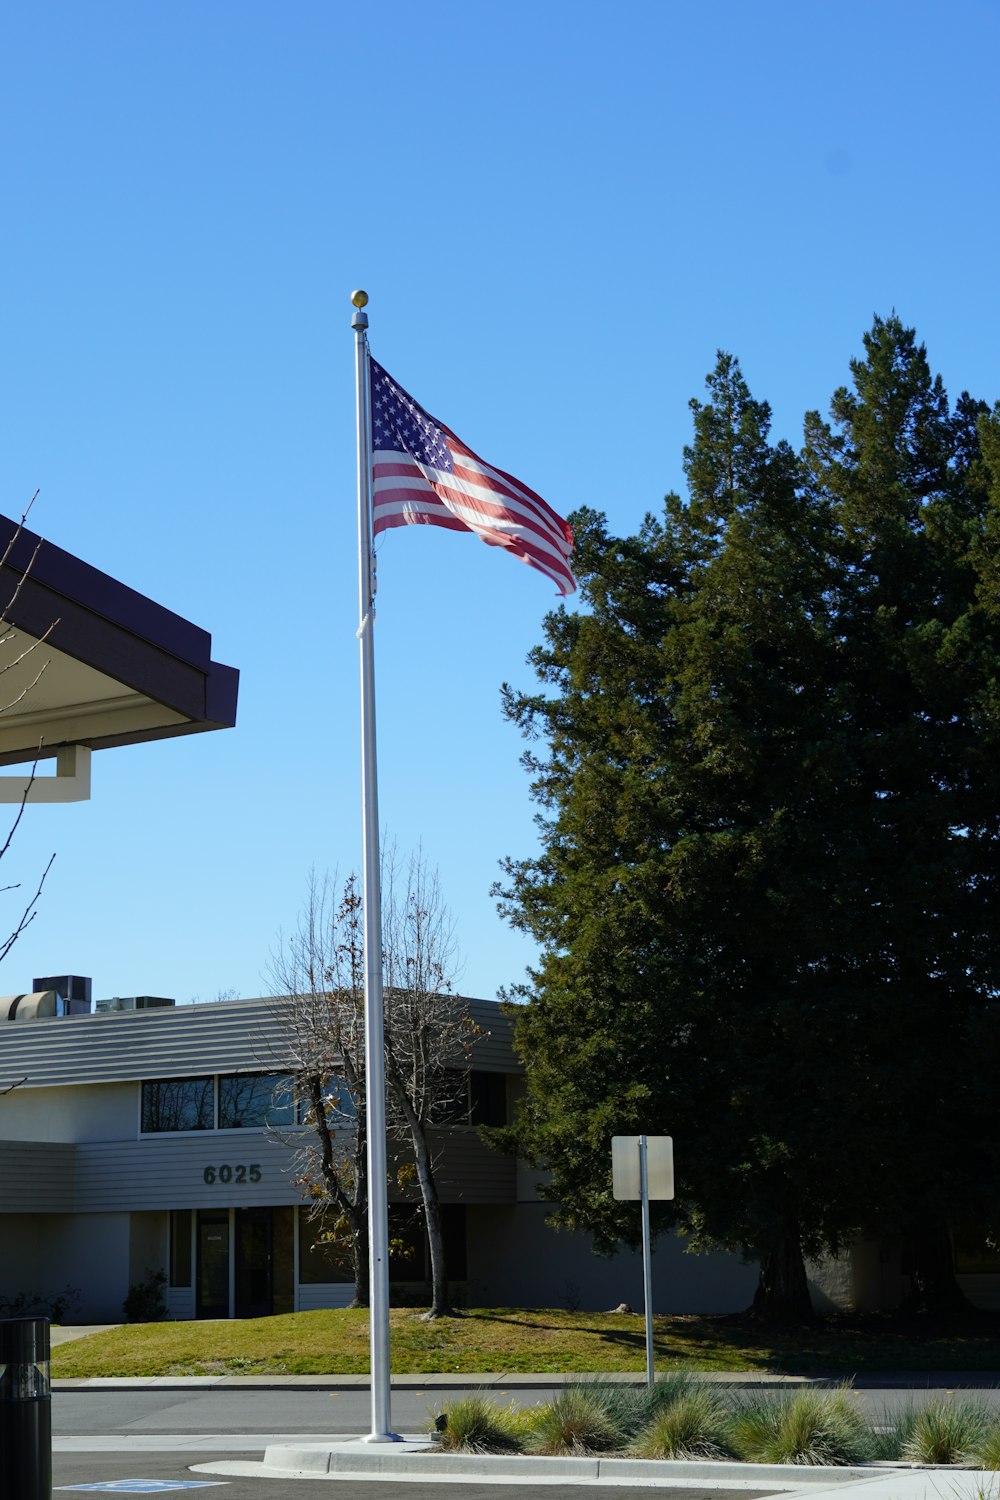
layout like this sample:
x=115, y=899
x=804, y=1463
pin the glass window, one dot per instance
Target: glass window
x=319, y=1263
x=180, y=1247
x=339, y=1103
x=178, y=1104
x=451, y=1106
x=409, y=1252
x=407, y=1244
x=248, y=1100
x=489, y=1098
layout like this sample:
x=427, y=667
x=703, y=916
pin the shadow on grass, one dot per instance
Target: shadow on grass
x=837, y=1345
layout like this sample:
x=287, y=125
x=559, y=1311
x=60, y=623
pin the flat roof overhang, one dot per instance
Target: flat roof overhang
x=85, y=660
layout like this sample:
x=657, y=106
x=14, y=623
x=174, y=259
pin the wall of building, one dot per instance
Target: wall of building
x=43, y=1254
x=149, y=1245
x=100, y=1112
x=515, y=1258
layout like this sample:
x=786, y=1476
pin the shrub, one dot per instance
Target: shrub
x=811, y=1427
x=54, y=1305
x=947, y=1432
x=694, y=1425
x=478, y=1425
x=145, y=1302
x=575, y=1422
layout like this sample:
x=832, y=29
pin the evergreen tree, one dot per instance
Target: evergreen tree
x=760, y=898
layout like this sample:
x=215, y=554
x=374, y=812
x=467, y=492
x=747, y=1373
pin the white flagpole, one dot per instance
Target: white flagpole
x=378, y=1213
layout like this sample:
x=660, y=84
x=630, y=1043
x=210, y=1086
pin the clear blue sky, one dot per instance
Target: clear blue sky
x=560, y=211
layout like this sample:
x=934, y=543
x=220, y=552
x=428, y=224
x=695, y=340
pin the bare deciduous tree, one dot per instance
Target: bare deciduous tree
x=429, y=1034
x=8, y=663
x=320, y=969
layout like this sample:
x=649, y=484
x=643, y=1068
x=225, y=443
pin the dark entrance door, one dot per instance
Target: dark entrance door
x=213, y=1263
x=254, y=1297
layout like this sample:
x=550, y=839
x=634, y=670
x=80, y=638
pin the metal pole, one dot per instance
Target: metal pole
x=647, y=1269
x=25, y=1409
x=378, y=1213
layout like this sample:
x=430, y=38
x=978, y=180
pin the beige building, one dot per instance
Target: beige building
x=158, y=1137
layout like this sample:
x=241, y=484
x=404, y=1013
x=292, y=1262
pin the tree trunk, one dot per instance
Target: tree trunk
x=353, y=1206
x=440, y=1302
x=782, y=1294
x=359, y=1255
x=933, y=1286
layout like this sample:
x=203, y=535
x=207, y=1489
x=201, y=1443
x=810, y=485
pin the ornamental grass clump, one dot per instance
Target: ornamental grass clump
x=948, y=1432
x=989, y=1448
x=811, y=1427
x=890, y=1432
x=694, y=1425
x=631, y=1408
x=478, y=1425
x=575, y=1422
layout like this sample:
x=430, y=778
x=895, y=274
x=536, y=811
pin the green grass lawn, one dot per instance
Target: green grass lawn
x=484, y=1340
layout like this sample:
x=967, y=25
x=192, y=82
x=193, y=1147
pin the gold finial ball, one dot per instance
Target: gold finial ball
x=359, y=298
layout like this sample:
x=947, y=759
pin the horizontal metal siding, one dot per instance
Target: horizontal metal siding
x=468, y=1171
x=160, y=1172
x=230, y=1036
x=36, y=1177
x=226, y=1037
x=493, y=1050
x=169, y=1172
x=313, y=1298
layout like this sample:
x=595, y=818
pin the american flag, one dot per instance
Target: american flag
x=422, y=475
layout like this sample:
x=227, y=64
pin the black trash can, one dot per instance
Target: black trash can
x=25, y=1409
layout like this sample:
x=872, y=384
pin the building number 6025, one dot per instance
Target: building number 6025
x=236, y=1174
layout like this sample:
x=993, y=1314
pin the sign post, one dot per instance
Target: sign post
x=642, y=1166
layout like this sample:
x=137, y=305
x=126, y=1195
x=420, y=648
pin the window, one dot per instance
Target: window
x=248, y=1100
x=339, y=1103
x=409, y=1253
x=489, y=1098
x=245, y=1100
x=319, y=1263
x=451, y=1106
x=178, y=1104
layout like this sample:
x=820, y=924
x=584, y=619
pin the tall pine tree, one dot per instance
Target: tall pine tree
x=760, y=899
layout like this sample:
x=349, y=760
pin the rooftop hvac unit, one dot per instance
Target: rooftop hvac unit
x=73, y=991
x=133, y=1002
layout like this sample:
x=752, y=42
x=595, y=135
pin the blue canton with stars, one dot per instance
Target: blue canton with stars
x=400, y=425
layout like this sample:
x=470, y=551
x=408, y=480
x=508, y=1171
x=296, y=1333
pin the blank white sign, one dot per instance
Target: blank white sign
x=659, y=1166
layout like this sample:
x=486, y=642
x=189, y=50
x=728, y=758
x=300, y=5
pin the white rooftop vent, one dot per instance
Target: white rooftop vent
x=38, y=1004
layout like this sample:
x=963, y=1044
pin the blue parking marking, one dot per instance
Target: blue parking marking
x=143, y=1486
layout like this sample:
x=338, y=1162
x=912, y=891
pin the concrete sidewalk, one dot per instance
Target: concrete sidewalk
x=60, y=1333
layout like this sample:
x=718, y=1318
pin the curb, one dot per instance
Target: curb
x=412, y=1460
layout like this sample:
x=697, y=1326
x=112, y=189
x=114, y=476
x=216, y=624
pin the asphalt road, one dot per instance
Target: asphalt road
x=106, y=1437
x=70, y=1470
x=293, y=1413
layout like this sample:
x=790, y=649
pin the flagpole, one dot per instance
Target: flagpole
x=378, y=1213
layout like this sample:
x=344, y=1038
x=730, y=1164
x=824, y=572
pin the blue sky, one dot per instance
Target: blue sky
x=560, y=212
